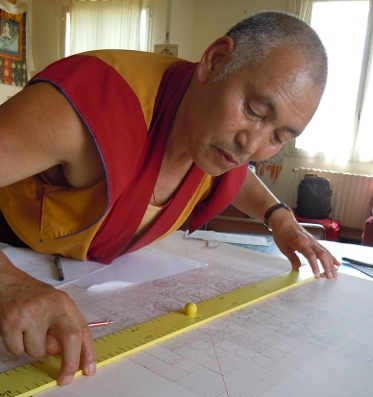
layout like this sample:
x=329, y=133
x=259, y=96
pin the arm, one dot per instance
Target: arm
x=40, y=131
x=255, y=199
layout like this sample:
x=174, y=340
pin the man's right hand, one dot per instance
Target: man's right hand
x=38, y=319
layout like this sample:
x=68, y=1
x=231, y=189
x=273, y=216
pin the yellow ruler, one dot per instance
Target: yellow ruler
x=40, y=375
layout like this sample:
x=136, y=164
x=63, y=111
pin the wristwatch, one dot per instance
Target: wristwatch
x=271, y=210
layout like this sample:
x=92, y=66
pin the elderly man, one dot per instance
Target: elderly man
x=104, y=152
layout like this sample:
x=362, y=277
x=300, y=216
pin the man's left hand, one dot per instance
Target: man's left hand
x=292, y=238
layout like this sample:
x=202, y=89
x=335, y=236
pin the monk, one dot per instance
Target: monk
x=104, y=152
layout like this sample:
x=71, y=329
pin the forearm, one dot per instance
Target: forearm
x=254, y=198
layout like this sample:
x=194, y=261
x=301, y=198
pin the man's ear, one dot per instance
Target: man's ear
x=214, y=59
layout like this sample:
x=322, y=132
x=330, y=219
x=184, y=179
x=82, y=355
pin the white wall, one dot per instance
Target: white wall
x=181, y=26
x=159, y=22
x=213, y=18
x=47, y=18
x=6, y=91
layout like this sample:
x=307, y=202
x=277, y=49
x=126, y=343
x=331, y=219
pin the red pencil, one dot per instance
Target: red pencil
x=104, y=323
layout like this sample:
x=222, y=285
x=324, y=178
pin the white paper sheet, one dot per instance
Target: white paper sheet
x=41, y=266
x=208, y=235
x=141, y=266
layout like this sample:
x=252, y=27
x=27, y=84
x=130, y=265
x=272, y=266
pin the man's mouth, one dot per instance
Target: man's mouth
x=227, y=159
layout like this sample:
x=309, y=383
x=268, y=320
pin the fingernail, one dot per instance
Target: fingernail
x=91, y=369
x=65, y=380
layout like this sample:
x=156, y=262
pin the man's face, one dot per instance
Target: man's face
x=252, y=113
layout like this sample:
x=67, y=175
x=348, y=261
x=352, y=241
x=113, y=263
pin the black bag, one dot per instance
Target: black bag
x=313, y=200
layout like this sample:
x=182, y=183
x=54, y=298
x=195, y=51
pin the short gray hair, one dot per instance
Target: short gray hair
x=255, y=36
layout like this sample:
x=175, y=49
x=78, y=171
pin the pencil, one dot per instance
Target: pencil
x=104, y=323
x=58, y=264
x=355, y=262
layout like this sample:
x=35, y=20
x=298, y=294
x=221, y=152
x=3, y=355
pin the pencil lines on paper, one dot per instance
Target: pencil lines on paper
x=250, y=352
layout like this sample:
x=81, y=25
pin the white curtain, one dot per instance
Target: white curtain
x=104, y=24
x=344, y=119
x=299, y=8
x=364, y=148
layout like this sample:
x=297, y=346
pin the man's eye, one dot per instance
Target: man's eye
x=277, y=138
x=253, y=113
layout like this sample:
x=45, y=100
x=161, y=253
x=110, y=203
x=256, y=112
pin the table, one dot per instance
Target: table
x=313, y=340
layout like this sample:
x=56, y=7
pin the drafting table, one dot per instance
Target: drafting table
x=313, y=340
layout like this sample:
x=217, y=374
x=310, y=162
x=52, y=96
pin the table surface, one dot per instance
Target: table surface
x=339, y=250
x=300, y=342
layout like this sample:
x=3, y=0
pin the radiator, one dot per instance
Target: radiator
x=352, y=194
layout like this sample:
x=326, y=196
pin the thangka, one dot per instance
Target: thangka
x=13, y=67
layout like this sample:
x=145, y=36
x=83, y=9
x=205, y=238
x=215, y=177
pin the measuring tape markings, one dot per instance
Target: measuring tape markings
x=42, y=374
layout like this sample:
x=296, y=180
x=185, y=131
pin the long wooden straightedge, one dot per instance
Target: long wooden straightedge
x=40, y=375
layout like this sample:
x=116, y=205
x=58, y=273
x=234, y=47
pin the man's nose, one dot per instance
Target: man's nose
x=251, y=141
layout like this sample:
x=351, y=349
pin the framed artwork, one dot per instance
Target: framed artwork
x=11, y=38
x=13, y=65
x=166, y=49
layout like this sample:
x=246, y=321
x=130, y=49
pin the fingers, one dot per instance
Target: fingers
x=75, y=344
x=316, y=254
x=88, y=354
x=53, y=347
x=297, y=240
x=294, y=259
x=71, y=346
x=13, y=342
x=76, y=347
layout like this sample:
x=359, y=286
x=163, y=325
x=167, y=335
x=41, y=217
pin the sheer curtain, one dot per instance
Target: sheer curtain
x=299, y=7
x=342, y=128
x=104, y=24
x=364, y=150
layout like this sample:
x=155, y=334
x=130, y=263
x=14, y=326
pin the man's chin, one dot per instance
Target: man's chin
x=213, y=170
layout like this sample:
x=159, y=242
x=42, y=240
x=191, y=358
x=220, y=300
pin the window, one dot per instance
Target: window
x=146, y=19
x=342, y=128
x=108, y=24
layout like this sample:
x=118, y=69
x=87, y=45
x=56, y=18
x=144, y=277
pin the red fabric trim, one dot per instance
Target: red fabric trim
x=136, y=197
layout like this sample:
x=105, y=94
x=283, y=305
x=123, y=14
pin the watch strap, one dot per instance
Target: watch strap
x=271, y=210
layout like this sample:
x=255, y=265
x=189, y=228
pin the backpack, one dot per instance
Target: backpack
x=314, y=197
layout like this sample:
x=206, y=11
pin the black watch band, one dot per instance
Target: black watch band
x=271, y=210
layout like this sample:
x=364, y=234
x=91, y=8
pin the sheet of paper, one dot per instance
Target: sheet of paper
x=42, y=267
x=138, y=267
x=141, y=266
x=208, y=235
